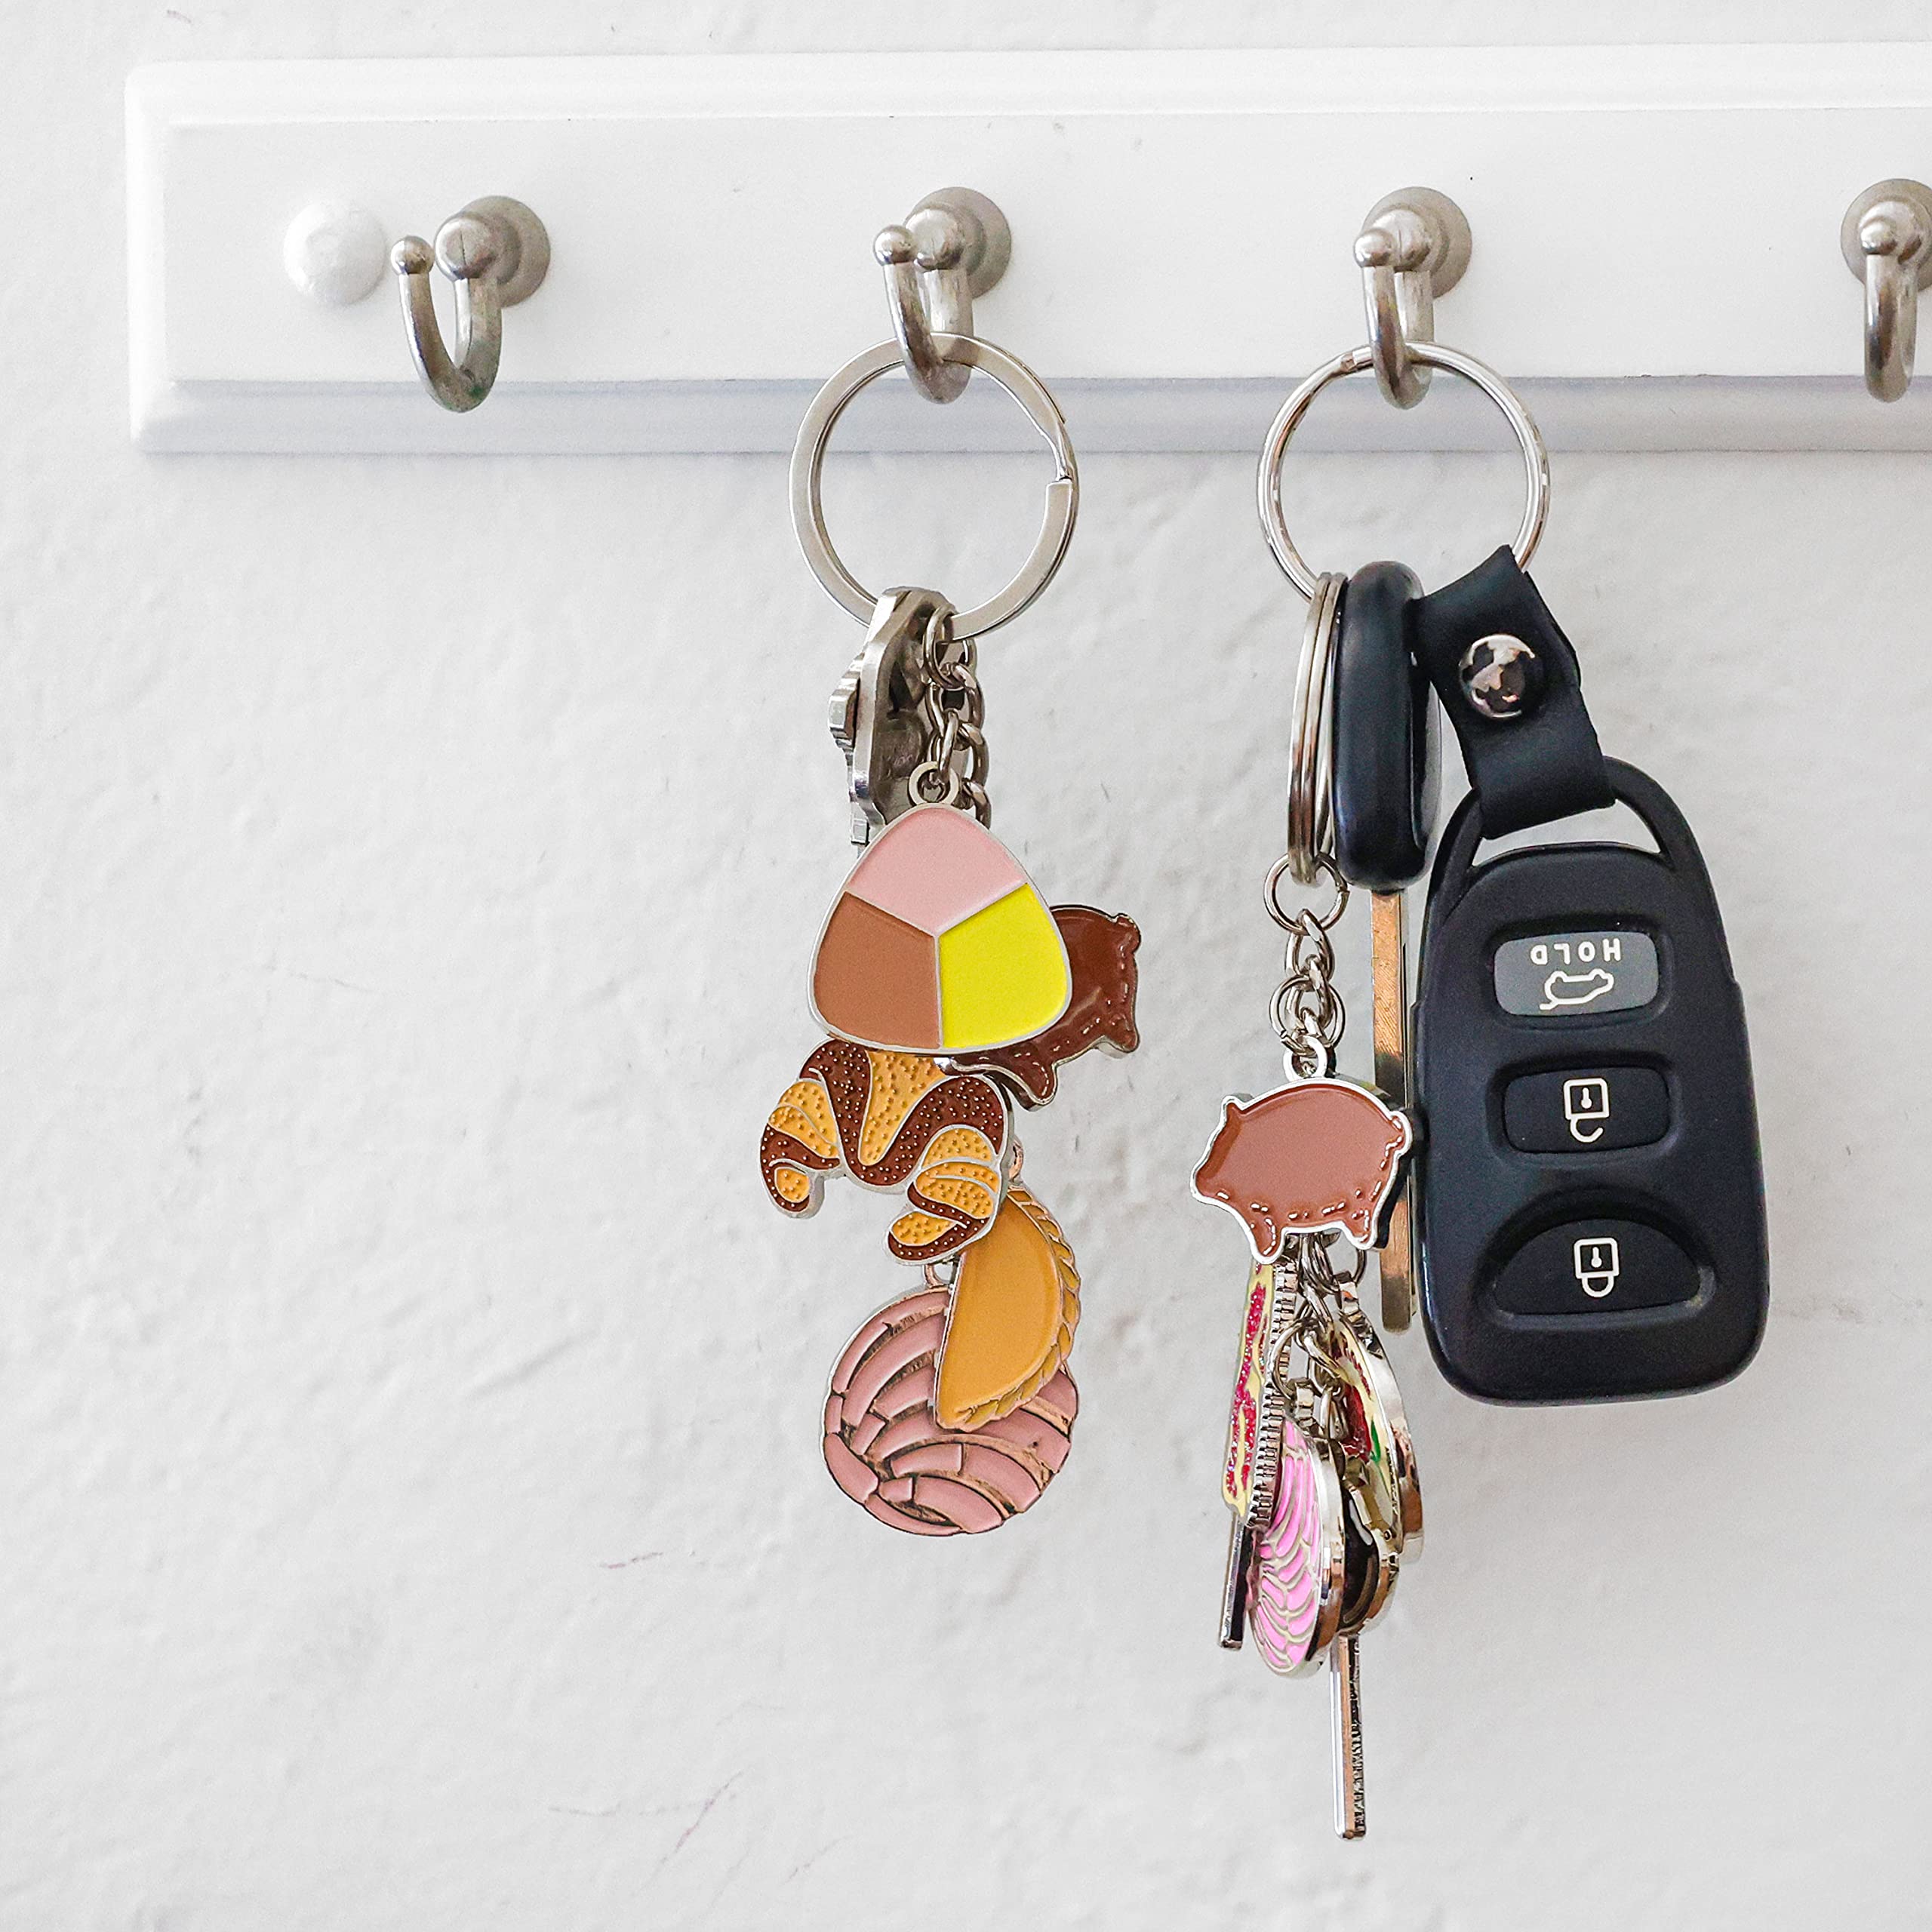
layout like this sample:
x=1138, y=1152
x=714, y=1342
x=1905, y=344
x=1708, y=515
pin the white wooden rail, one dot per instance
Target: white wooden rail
x=1656, y=264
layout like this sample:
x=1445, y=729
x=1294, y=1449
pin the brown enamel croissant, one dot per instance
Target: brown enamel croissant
x=887, y=1119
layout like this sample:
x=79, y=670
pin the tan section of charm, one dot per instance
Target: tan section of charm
x=900, y=1082
x=804, y=1111
x=1015, y=1307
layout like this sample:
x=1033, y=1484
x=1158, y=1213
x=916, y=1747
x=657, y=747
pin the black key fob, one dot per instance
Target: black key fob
x=1589, y=1182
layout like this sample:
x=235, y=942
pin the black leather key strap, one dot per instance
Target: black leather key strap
x=1544, y=764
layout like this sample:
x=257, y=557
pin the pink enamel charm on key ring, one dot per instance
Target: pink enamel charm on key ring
x=1297, y=1574
x=887, y=1451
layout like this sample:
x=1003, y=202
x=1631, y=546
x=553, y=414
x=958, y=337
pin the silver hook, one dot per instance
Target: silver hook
x=1884, y=238
x=954, y=245
x=1414, y=247
x=497, y=253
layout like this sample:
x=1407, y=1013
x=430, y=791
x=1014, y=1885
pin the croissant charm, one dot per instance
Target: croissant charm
x=887, y=1119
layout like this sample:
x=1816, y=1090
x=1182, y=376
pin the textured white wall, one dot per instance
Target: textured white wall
x=413, y=1514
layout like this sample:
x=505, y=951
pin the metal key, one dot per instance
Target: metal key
x=1234, y=1588
x=1344, y=1677
x=1373, y=1557
x=1376, y=1582
x=1390, y=970
x=1351, y=1798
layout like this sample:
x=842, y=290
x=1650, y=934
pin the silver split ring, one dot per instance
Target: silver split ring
x=1311, y=734
x=1025, y=389
x=1433, y=355
x=1325, y=868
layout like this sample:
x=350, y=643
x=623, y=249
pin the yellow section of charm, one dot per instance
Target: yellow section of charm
x=1003, y=975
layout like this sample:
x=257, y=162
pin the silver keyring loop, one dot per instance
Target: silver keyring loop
x=1032, y=396
x=1325, y=868
x=1311, y=735
x=1529, y=440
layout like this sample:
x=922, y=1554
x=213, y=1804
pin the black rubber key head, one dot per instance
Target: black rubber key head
x=1387, y=746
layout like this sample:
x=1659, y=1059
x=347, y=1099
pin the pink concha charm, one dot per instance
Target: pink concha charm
x=1296, y=1579
x=888, y=1454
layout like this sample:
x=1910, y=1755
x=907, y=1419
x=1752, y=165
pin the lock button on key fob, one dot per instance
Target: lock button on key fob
x=1589, y=1181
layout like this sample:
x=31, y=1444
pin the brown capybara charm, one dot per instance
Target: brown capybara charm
x=1317, y=1154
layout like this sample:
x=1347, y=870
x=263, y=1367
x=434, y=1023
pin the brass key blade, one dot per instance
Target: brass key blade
x=1351, y=1799
x=1388, y=941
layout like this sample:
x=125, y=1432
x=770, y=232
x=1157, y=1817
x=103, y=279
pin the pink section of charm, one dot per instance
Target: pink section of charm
x=934, y=867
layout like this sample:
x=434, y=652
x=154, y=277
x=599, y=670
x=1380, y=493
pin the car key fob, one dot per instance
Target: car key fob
x=1589, y=1182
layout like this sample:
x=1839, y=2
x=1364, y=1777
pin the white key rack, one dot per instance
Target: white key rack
x=1657, y=260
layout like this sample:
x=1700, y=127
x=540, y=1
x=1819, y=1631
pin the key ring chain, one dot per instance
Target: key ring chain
x=1057, y=520
x=950, y=991
x=1355, y=362
x=1533, y=1224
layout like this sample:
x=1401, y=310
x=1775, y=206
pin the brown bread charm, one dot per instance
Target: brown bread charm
x=888, y=1119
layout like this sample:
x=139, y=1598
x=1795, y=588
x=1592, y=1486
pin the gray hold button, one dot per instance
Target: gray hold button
x=1560, y=976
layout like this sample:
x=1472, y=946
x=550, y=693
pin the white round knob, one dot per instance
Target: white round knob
x=335, y=253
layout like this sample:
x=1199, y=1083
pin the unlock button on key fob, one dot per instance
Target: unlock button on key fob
x=1594, y=1266
x=1586, y=1109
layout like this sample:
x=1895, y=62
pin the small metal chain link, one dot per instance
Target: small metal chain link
x=952, y=713
x=1308, y=1291
x=1307, y=1010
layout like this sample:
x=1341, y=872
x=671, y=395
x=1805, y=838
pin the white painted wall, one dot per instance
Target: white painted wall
x=413, y=1515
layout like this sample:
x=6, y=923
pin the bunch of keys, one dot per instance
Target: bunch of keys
x=1586, y=1220
x=1321, y=1477
x=1321, y=1473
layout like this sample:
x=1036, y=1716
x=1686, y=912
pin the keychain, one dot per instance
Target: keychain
x=1587, y=1218
x=1320, y=1474
x=952, y=992
x=1590, y=1198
